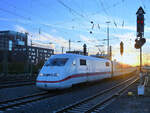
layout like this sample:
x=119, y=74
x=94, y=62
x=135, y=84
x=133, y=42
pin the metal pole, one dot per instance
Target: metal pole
x=31, y=58
x=141, y=59
x=62, y=50
x=27, y=55
x=110, y=52
x=108, y=37
x=5, y=55
x=69, y=45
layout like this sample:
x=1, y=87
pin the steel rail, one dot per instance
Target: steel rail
x=16, y=85
x=24, y=100
x=118, y=93
x=84, y=101
x=14, y=81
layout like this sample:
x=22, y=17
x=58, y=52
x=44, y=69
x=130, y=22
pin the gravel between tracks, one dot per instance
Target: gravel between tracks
x=131, y=104
x=51, y=104
x=9, y=93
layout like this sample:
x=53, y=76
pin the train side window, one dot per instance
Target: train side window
x=107, y=64
x=82, y=62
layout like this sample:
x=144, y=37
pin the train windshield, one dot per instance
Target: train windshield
x=56, y=62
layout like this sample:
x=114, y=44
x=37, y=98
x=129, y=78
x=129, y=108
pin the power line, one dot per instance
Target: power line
x=72, y=10
x=15, y=14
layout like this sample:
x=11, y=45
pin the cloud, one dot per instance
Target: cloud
x=131, y=28
x=54, y=31
x=130, y=36
x=21, y=29
x=47, y=40
x=88, y=40
x=148, y=40
x=93, y=44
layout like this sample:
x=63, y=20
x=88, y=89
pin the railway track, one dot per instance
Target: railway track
x=96, y=102
x=12, y=103
x=15, y=84
x=13, y=81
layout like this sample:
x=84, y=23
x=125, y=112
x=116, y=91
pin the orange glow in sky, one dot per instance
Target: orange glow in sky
x=130, y=59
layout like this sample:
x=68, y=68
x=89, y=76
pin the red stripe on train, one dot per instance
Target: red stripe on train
x=74, y=76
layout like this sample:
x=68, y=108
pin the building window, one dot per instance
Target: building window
x=82, y=62
x=24, y=49
x=33, y=49
x=32, y=61
x=19, y=42
x=32, y=53
x=45, y=51
x=41, y=51
x=16, y=49
x=10, y=45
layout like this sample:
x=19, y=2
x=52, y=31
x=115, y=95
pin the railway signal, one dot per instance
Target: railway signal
x=121, y=48
x=140, y=22
x=140, y=41
x=84, y=49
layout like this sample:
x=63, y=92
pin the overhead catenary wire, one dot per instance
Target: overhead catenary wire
x=72, y=10
x=31, y=22
x=73, y=27
x=108, y=7
x=15, y=14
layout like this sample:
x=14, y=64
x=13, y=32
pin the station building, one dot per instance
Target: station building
x=14, y=48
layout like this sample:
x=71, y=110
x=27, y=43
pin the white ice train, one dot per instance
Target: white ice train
x=64, y=70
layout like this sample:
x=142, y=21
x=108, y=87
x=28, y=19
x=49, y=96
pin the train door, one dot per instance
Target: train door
x=88, y=69
x=83, y=68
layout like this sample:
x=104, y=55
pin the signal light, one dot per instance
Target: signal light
x=141, y=21
x=139, y=43
x=121, y=48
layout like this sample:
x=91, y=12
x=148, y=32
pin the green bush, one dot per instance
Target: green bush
x=16, y=68
x=1, y=68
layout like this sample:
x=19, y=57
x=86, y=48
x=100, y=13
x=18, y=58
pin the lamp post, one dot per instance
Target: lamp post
x=108, y=37
x=31, y=59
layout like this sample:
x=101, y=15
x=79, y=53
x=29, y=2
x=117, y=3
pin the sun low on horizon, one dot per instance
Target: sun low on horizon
x=131, y=59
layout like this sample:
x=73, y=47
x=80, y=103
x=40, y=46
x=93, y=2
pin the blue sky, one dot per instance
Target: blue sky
x=61, y=20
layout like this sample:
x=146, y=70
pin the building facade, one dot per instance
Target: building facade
x=14, y=48
x=37, y=54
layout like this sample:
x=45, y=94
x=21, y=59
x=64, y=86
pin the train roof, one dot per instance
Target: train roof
x=70, y=55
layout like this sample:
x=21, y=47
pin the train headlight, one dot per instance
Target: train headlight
x=55, y=74
x=41, y=74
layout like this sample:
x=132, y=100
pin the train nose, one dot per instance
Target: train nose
x=41, y=85
x=47, y=86
x=46, y=81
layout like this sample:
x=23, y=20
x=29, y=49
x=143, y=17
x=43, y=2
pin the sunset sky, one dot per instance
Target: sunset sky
x=51, y=23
